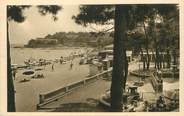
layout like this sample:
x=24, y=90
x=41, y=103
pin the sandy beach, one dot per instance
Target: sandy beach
x=27, y=93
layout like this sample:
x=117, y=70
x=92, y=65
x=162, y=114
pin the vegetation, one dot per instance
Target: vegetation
x=128, y=18
x=71, y=39
x=15, y=13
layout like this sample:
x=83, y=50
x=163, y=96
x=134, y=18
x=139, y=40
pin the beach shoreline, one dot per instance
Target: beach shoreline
x=19, y=55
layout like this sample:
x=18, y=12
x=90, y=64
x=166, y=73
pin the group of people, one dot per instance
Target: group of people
x=61, y=60
x=43, y=62
x=160, y=105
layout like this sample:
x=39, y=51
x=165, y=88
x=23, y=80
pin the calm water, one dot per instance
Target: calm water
x=19, y=55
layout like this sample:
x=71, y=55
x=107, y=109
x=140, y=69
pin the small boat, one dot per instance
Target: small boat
x=27, y=75
x=28, y=72
x=38, y=69
x=38, y=73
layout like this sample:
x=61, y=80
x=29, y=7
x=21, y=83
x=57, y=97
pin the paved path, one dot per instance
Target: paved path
x=27, y=93
x=93, y=91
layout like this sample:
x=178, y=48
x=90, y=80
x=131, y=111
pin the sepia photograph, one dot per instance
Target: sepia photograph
x=93, y=58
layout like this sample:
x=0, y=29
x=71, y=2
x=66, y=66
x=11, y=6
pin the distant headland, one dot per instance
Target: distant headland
x=70, y=39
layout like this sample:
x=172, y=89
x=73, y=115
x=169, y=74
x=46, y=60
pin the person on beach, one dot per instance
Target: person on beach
x=45, y=63
x=71, y=64
x=61, y=60
x=53, y=66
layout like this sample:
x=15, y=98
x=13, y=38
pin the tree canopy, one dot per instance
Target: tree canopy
x=139, y=15
x=98, y=14
x=103, y=14
x=16, y=12
x=126, y=18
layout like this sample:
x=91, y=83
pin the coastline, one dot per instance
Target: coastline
x=19, y=55
x=59, y=46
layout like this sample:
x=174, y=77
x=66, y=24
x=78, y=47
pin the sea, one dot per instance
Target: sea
x=19, y=55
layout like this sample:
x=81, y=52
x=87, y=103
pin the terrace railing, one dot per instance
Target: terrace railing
x=50, y=96
x=157, y=83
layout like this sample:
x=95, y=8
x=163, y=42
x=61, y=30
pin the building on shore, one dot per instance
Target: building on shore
x=95, y=68
x=108, y=52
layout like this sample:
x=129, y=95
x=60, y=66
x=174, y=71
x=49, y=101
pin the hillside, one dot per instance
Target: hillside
x=80, y=39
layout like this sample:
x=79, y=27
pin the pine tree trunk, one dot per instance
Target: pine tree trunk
x=143, y=60
x=168, y=59
x=10, y=86
x=160, y=60
x=174, y=57
x=146, y=47
x=163, y=60
x=126, y=72
x=156, y=46
x=119, y=58
x=155, y=60
x=144, y=63
x=157, y=57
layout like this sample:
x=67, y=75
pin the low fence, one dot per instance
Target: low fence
x=170, y=74
x=138, y=74
x=45, y=98
x=156, y=83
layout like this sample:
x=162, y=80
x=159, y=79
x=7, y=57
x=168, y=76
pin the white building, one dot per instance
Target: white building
x=108, y=52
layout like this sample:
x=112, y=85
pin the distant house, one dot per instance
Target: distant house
x=95, y=68
x=108, y=52
x=109, y=47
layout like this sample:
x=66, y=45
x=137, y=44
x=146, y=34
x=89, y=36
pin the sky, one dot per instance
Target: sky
x=36, y=25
